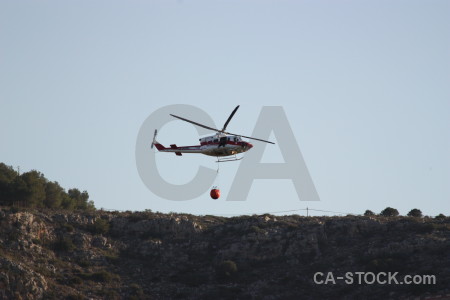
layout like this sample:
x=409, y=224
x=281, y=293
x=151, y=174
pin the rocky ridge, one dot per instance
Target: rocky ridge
x=146, y=255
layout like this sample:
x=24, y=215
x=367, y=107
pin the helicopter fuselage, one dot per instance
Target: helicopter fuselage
x=217, y=145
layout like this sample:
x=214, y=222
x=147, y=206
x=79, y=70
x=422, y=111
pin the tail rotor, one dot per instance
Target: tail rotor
x=154, y=138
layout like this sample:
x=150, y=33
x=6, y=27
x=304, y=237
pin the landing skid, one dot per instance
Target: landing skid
x=228, y=159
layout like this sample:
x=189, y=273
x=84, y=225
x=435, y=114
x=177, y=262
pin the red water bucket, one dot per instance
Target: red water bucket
x=215, y=193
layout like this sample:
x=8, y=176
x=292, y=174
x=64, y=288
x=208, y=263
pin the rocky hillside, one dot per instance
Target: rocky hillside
x=145, y=255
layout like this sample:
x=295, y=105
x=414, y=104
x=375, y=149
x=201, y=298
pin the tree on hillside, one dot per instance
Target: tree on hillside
x=35, y=193
x=440, y=217
x=7, y=173
x=369, y=213
x=80, y=198
x=7, y=176
x=389, y=212
x=53, y=195
x=32, y=189
x=415, y=213
x=67, y=202
x=18, y=192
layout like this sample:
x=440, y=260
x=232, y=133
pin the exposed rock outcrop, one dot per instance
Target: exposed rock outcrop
x=112, y=255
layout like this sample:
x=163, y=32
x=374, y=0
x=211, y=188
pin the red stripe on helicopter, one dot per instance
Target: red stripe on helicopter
x=175, y=147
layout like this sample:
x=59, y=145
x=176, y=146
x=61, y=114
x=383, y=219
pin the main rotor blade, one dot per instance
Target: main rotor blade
x=229, y=118
x=249, y=137
x=195, y=123
x=214, y=129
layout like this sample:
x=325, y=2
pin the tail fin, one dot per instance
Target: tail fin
x=155, y=142
x=159, y=146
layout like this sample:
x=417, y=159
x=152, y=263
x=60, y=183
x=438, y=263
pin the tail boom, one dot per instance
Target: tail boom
x=177, y=150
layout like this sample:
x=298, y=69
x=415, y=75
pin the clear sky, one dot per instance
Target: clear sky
x=365, y=85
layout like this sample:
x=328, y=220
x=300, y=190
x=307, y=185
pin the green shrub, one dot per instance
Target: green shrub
x=83, y=263
x=109, y=294
x=75, y=297
x=14, y=235
x=111, y=256
x=227, y=269
x=76, y=280
x=140, y=215
x=101, y=276
x=63, y=244
x=424, y=227
x=440, y=217
x=100, y=226
x=256, y=229
x=68, y=227
x=136, y=291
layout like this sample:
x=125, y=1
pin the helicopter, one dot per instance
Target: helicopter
x=221, y=144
